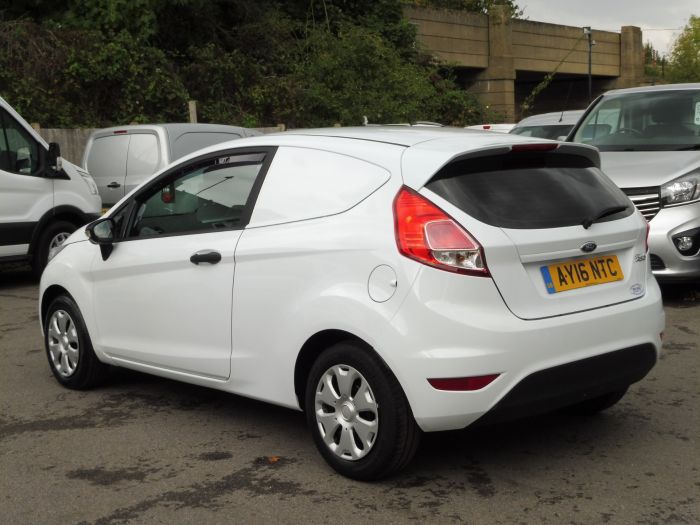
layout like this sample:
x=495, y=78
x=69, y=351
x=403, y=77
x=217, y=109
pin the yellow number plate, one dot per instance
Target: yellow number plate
x=581, y=272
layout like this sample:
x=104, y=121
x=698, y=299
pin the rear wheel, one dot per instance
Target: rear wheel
x=358, y=414
x=53, y=236
x=597, y=404
x=68, y=347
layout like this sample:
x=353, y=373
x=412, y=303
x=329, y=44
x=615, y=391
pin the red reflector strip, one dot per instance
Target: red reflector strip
x=462, y=384
x=121, y=132
x=517, y=148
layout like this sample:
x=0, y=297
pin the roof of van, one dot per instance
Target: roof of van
x=658, y=87
x=180, y=128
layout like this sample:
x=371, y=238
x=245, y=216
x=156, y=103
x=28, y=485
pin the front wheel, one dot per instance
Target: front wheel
x=68, y=346
x=358, y=414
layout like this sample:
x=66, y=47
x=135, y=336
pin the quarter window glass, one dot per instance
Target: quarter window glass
x=142, y=159
x=21, y=150
x=209, y=196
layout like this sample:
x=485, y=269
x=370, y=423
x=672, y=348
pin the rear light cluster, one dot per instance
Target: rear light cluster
x=428, y=235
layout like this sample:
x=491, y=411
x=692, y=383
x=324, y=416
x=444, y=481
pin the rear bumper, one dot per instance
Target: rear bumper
x=572, y=383
x=458, y=326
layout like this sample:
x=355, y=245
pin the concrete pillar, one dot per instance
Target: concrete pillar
x=495, y=86
x=631, y=58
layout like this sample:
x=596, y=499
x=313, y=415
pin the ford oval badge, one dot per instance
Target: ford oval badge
x=589, y=247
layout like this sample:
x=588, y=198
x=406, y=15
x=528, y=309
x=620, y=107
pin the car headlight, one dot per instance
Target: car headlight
x=87, y=179
x=681, y=190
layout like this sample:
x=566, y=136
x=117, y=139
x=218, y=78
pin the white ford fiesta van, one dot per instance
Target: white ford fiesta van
x=43, y=198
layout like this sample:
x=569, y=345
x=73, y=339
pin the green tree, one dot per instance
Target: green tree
x=476, y=6
x=249, y=62
x=654, y=62
x=684, y=65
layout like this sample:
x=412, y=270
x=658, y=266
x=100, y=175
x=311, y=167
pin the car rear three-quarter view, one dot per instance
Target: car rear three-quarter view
x=386, y=281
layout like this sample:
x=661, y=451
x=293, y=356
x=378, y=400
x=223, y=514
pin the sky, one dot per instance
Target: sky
x=653, y=16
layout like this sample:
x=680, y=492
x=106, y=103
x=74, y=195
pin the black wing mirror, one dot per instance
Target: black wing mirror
x=53, y=159
x=101, y=232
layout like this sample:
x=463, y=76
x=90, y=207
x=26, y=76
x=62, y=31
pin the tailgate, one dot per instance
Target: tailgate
x=529, y=210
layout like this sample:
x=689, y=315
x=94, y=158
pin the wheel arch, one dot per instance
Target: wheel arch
x=47, y=298
x=315, y=346
x=59, y=213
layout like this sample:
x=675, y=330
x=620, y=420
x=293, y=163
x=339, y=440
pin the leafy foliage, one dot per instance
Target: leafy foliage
x=475, y=6
x=684, y=65
x=654, y=62
x=301, y=62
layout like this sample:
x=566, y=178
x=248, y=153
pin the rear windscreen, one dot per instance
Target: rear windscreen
x=530, y=190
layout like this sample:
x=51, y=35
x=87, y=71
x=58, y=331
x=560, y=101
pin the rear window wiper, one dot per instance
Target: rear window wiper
x=588, y=221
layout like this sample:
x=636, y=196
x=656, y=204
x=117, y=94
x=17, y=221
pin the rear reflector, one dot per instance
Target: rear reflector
x=462, y=384
x=518, y=148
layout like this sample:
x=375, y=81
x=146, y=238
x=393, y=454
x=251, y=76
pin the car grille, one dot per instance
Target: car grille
x=647, y=200
x=656, y=262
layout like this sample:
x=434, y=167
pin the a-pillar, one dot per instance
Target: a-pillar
x=495, y=86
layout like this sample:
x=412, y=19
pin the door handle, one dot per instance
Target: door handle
x=114, y=185
x=205, y=256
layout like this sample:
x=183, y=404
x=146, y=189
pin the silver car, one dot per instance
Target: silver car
x=649, y=138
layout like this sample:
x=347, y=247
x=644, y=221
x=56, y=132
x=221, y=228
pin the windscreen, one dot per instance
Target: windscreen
x=530, y=191
x=645, y=121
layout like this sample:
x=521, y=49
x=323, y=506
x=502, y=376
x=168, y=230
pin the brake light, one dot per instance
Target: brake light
x=518, y=148
x=428, y=235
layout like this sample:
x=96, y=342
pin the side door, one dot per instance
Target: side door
x=24, y=194
x=106, y=162
x=163, y=296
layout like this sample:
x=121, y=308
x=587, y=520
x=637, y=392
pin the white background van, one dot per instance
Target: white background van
x=43, y=198
x=121, y=158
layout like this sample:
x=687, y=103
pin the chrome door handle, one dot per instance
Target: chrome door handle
x=205, y=256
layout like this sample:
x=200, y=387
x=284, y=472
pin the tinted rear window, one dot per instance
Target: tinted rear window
x=529, y=191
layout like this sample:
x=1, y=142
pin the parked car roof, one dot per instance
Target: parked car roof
x=658, y=87
x=569, y=117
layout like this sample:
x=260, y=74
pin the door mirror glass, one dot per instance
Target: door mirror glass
x=101, y=231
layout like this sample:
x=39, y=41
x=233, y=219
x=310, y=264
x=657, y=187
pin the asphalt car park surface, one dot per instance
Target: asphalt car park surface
x=148, y=450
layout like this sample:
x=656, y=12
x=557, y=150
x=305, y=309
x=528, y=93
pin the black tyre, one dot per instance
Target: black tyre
x=597, y=404
x=358, y=414
x=68, y=347
x=49, y=240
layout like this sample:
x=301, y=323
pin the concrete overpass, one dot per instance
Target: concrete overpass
x=502, y=59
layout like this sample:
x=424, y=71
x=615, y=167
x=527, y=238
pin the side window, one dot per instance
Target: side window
x=142, y=159
x=207, y=196
x=21, y=151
